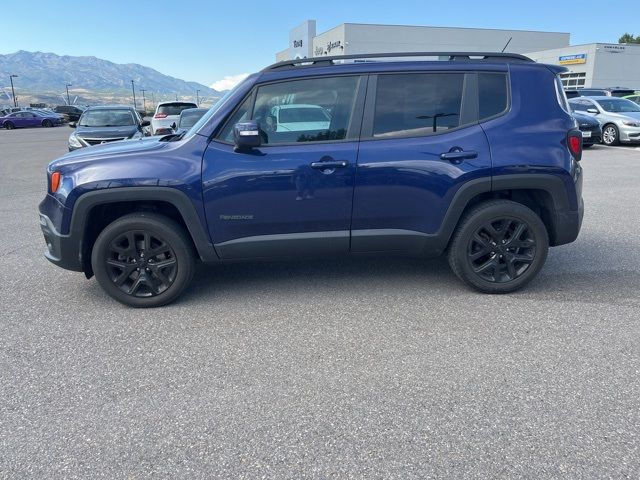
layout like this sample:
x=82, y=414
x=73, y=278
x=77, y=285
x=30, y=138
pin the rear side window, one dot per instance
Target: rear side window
x=175, y=108
x=417, y=104
x=492, y=90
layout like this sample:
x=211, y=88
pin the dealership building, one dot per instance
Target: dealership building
x=591, y=65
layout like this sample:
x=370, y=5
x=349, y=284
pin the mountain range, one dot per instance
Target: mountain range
x=45, y=75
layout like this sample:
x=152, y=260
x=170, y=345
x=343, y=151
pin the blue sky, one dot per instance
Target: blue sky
x=207, y=41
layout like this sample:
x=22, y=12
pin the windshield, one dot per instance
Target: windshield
x=120, y=117
x=619, y=105
x=214, y=108
x=174, y=108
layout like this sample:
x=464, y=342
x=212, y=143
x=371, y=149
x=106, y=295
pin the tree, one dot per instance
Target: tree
x=629, y=38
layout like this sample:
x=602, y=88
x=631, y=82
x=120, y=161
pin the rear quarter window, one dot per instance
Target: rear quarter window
x=493, y=94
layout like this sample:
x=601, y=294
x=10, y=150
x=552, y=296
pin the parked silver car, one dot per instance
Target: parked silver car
x=620, y=118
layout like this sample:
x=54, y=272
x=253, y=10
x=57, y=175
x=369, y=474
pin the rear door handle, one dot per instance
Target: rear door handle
x=329, y=164
x=457, y=155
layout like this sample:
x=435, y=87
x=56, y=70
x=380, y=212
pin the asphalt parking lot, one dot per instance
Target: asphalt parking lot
x=334, y=368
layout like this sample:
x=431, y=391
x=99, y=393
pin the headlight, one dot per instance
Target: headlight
x=136, y=135
x=630, y=123
x=74, y=142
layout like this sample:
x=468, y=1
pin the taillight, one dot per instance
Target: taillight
x=54, y=183
x=160, y=115
x=574, y=142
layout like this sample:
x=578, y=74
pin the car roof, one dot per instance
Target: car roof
x=297, y=105
x=176, y=103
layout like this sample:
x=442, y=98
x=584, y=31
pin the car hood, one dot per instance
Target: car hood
x=106, y=132
x=112, y=149
x=625, y=115
x=585, y=119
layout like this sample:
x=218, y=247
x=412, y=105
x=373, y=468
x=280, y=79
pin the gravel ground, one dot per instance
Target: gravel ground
x=357, y=368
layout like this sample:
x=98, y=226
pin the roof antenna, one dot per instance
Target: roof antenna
x=505, y=47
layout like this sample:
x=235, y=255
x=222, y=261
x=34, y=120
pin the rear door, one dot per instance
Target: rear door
x=421, y=141
x=292, y=195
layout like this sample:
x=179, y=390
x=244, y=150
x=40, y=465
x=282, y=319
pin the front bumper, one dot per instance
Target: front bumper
x=61, y=250
x=629, y=134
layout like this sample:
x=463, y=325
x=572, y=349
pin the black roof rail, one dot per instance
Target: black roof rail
x=452, y=56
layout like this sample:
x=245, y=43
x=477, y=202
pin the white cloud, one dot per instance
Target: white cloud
x=228, y=82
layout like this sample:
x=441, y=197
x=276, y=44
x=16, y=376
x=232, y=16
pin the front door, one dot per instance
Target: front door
x=293, y=194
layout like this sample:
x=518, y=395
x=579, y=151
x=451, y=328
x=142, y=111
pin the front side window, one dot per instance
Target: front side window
x=619, y=105
x=417, y=104
x=310, y=110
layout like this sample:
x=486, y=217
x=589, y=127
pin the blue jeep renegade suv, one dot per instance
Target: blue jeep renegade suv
x=475, y=155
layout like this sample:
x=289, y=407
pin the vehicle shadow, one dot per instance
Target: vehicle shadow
x=576, y=272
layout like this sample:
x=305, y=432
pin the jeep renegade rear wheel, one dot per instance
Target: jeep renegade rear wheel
x=498, y=247
x=143, y=260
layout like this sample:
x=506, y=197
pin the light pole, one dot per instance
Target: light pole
x=133, y=89
x=144, y=101
x=198, y=97
x=15, y=102
x=68, y=101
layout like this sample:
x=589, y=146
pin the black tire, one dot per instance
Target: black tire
x=47, y=123
x=503, y=261
x=126, y=274
x=9, y=125
x=610, y=134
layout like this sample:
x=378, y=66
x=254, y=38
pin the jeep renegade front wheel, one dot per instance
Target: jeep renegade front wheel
x=498, y=247
x=143, y=260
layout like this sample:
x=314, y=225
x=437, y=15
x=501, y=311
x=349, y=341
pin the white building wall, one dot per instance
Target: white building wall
x=402, y=38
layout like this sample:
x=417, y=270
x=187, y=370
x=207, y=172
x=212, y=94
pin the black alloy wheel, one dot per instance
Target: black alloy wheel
x=502, y=249
x=140, y=263
x=498, y=246
x=9, y=126
x=143, y=259
x=47, y=123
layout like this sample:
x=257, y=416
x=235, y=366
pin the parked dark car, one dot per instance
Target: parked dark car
x=599, y=92
x=188, y=118
x=472, y=155
x=71, y=112
x=25, y=118
x=105, y=124
x=590, y=128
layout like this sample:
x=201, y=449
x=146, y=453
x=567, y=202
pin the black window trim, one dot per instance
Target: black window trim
x=355, y=122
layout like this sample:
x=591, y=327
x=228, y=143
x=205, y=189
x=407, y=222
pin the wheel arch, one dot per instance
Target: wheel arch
x=545, y=194
x=95, y=210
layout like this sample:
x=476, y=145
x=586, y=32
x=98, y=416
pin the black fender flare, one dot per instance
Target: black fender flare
x=173, y=196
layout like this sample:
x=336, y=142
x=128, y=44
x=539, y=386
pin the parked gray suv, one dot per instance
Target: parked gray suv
x=620, y=118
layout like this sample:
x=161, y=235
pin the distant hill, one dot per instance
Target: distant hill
x=43, y=76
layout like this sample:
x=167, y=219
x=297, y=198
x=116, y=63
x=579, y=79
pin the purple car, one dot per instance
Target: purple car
x=27, y=118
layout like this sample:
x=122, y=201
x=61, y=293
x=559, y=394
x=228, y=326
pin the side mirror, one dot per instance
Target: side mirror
x=246, y=136
x=592, y=110
x=145, y=123
x=72, y=124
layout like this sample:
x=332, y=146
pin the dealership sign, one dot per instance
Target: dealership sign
x=573, y=59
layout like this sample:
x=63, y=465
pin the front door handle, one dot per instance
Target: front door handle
x=456, y=154
x=330, y=164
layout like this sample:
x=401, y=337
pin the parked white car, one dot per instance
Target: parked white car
x=299, y=117
x=168, y=113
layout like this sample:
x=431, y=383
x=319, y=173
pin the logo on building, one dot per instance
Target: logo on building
x=297, y=43
x=333, y=45
x=614, y=48
x=573, y=59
